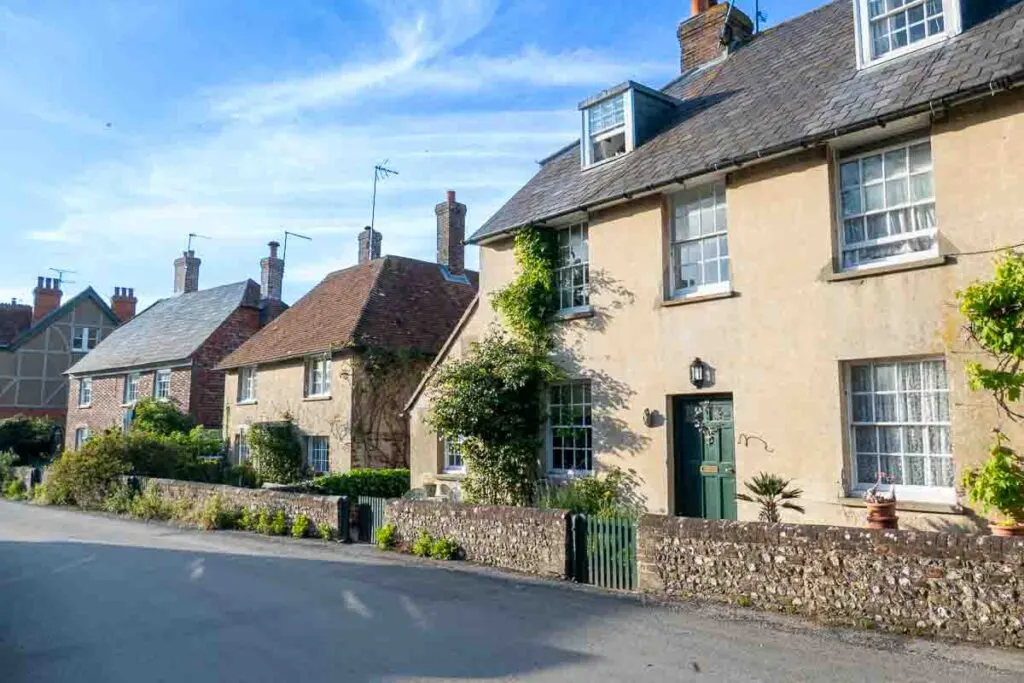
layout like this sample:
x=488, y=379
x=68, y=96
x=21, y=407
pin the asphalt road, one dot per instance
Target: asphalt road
x=91, y=598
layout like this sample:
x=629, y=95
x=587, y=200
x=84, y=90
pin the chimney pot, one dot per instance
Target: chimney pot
x=123, y=303
x=451, y=234
x=451, y=197
x=46, y=298
x=273, y=244
x=368, y=251
x=271, y=274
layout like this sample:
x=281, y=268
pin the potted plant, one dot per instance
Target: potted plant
x=998, y=484
x=881, y=506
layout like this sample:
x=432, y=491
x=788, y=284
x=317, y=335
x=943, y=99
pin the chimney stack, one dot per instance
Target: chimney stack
x=708, y=34
x=368, y=252
x=186, y=273
x=47, y=297
x=123, y=303
x=271, y=274
x=451, y=233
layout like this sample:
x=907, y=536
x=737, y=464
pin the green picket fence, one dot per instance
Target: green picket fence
x=371, y=516
x=605, y=552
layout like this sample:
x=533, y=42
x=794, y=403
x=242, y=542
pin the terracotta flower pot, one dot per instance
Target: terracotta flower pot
x=1004, y=530
x=882, y=515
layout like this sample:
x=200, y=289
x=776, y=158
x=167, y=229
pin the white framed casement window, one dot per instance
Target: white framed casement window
x=700, y=241
x=318, y=376
x=84, y=339
x=84, y=392
x=318, y=453
x=900, y=427
x=247, y=384
x=242, y=444
x=887, y=206
x=607, y=129
x=887, y=29
x=570, y=429
x=81, y=436
x=453, y=462
x=572, y=276
x=162, y=384
x=130, y=394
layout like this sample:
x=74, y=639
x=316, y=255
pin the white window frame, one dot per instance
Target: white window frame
x=242, y=444
x=719, y=197
x=84, y=392
x=865, y=51
x=452, y=449
x=84, y=338
x=247, y=384
x=313, y=453
x=909, y=205
x=569, y=264
x=162, y=377
x=318, y=368
x=131, y=379
x=937, y=494
x=588, y=426
x=81, y=436
x=627, y=128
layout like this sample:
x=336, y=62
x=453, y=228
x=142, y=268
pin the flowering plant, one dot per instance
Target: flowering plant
x=875, y=495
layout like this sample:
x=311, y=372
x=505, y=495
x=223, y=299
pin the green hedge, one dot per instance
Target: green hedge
x=364, y=482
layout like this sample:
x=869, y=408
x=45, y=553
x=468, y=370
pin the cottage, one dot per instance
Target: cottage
x=759, y=261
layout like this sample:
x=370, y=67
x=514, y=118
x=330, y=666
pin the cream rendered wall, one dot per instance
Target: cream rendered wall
x=778, y=345
x=279, y=389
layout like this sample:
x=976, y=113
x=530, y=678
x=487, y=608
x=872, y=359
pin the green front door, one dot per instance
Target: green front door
x=705, y=457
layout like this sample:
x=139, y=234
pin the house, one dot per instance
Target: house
x=345, y=358
x=39, y=342
x=171, y=349
x=760, y=260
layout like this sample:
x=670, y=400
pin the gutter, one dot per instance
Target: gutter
x=933, y=106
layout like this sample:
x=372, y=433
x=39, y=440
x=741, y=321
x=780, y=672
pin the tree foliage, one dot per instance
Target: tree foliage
x=995, y=320
x=33, y=439
x=161, y=417
x=998, y=483
x=276, y=451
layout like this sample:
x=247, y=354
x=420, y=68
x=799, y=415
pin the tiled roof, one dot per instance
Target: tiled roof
x=27, y=332
x=14, y=319
x=793, y=84
x=170, y=330
x=394, y=303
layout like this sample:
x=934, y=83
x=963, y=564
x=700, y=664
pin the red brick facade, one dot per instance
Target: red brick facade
x=207, y=405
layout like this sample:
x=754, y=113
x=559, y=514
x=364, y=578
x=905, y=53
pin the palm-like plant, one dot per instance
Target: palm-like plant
x=772, y=493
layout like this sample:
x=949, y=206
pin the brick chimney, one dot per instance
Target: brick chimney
x=123, y=303
x=707, y=34
x=271, y=274
x=451, y=233
x=186, y=273
x=47, y=296
x=368, y=252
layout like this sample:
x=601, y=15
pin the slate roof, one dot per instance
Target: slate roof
x=14, y=319
x=170, y=330
x=27, y=332
x=796, y=83
x=394, y=303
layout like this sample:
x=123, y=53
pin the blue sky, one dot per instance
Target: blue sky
x=127, y=124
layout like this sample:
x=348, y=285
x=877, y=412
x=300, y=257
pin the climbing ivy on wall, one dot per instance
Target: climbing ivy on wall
x=491, y=401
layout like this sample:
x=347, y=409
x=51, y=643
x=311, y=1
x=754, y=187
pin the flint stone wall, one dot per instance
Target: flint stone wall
x=963, y=586
x=524, y=539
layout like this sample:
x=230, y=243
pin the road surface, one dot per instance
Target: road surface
x=88, y=598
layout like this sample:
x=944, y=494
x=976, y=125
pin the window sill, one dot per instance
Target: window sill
x=85, y=405
x=697, y=298
x=886, y=270
x=450, y=476
x=128, y=405
x=316, y=398
x=246, y=403
x=910, y=506
x=575, y=314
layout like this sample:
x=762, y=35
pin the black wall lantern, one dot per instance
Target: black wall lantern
x=698, y=373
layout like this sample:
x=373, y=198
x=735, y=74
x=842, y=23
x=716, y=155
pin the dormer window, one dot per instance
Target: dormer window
x=890, y=28
x=620, y=119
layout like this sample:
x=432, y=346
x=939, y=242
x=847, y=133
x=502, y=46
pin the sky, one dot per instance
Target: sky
x=127, y=124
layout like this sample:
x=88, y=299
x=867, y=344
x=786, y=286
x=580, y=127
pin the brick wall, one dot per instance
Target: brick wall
x=925, y=583
x=524, y=539
x=320, y=510
x=207, y=391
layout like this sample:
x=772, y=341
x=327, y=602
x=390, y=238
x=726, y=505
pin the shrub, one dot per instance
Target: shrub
x=87, y=476
x=119, y=500
x=15, y=490
x=276, y=452
x=279, y=524
x=241, y=475
x=386, y=536
x=444, y=549
x=161, y=417
x=150, y=505
x=998, y=483
x=300, y=526
x=605, y=496
x=247, y=520
x=262, y=524
x=33, y=439
x=41, y=495
x=423, y=544
x=7, y=461
x=382, y=483
x=214, y=515
x=773, y=494
x=326, y=532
